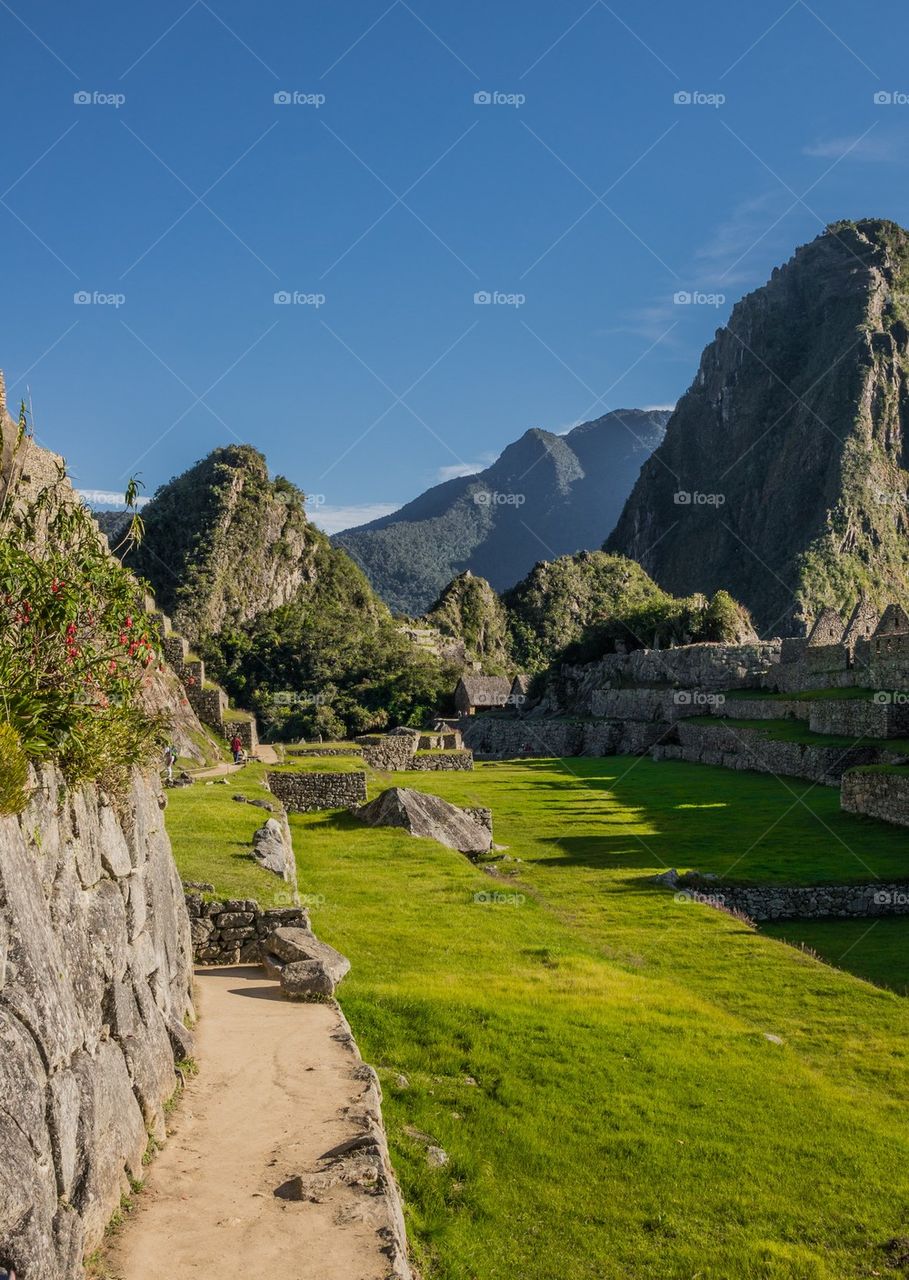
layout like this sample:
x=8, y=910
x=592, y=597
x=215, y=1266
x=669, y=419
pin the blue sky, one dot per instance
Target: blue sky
x=149, y=169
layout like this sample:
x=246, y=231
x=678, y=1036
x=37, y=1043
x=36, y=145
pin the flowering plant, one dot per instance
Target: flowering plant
x=74, y=649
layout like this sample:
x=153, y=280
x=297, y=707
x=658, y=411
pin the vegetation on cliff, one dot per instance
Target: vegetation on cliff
x=74, y=648
x=784, y=473
x=285, y=621
x=470, y=611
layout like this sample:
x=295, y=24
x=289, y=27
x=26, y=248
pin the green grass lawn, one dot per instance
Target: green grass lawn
x=874, y=949
x=591, y=1053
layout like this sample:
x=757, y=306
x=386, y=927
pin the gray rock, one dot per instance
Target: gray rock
x=273, y=850
x=429, y=816
x=307, y=968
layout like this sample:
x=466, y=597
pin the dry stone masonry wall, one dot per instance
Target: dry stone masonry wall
x=95, y=987
x=231, y=932
x=877, y=794
x=303, y=792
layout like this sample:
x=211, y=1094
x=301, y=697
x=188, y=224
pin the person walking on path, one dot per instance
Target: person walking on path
x=236, y=747
x=170, y=759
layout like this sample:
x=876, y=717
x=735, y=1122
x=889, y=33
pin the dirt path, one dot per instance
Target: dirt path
x=280, y=1087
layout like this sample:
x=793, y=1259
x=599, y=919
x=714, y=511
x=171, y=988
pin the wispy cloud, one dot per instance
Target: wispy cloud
x=455, y=470
x=337, y=519
x=107, y=498
x=867, y=150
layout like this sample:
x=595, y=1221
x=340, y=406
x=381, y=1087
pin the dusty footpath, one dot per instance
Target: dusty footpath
x=277, y=1166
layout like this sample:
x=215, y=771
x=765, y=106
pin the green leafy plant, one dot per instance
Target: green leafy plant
x=74, y=648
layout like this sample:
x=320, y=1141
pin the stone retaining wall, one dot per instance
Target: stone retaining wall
x=817, y=902
x=352, y=750
x=303, y=792
x=231, y=932
x=442, y=760
x=877, y=794
x=245, y=730
x=858, y=717
x=740, y=748
x=499, y=737
x=389, y=754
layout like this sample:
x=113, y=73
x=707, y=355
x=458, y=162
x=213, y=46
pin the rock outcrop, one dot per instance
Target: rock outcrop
x=95, y=988
x=273, y=849
x=784, y=471
x=306, y=968
x=429, y=816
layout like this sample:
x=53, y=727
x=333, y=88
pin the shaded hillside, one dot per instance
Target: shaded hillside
x=546, y=494
x=791, y=442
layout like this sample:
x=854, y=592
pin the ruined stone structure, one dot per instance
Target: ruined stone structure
x=232, y=932
x=434, y=761
x=304, y=792
x=878, y=794
x=95, y=992
x=210, y=703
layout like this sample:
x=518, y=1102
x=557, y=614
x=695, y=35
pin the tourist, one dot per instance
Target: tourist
x=236, y=747
x=170, y=759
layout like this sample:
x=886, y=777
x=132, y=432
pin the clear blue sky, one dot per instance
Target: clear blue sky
x=199, y=198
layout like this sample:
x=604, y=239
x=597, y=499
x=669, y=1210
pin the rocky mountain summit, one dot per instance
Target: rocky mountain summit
x=546, y=494
x=784, y=471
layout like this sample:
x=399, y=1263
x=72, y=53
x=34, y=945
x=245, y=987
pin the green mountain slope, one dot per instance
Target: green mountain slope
x=546, y=494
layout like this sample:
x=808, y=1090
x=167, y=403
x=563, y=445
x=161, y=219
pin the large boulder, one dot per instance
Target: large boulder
x=273, y=850
x=425, y=815
x=306, y=968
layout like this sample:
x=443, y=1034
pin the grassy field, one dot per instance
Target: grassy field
x=874, y=949
x=592, y=1054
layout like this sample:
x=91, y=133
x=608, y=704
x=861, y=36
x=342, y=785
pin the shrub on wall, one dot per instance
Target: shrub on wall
x=74, y=648
x=13, y=771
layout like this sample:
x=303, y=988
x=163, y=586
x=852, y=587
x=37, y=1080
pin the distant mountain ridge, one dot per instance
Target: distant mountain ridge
x=545, y=496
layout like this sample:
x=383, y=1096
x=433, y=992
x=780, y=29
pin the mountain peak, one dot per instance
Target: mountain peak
x=546, y=494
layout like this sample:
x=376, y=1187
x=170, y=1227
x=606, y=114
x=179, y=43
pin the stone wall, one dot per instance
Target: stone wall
x=734, y=747
x=352, y=750
x=302, y=792
x=245, y=730
x=858, y=718
x=442, y=760
x=389, y=753
x=230, y=932
x=878, y=794
x=95, y=984
x=502, y=737
x=816, y=902
x=208, y=704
